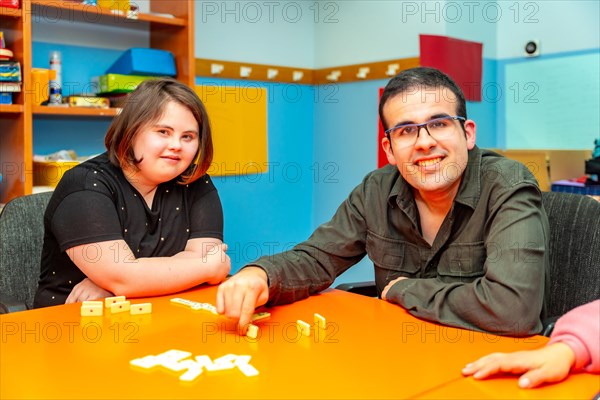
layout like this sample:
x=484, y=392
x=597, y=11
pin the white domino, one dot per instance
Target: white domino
x=303, y=327
x=192, y=373
x=248, y=369
x=92, y=309
x=222, y=363
x=176, y=360
x=145, y=362
x=140, y=308
x=177, y=366
x=260, y=315
x=320, y=321
x=184, y=302
x=109, y=301
x=252, y=331
x=120, y=306
x=203, y=360
x=194, y=305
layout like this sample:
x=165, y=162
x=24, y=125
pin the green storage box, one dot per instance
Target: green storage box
x=116, y=83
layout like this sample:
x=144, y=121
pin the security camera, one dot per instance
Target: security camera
x=532, y=48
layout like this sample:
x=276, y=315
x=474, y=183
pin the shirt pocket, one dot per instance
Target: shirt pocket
x=391, y=258
x=462, y=262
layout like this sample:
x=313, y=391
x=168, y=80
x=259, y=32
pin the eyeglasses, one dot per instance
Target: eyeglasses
x=407, y=134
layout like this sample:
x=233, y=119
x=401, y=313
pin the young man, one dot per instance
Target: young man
x=457, y=235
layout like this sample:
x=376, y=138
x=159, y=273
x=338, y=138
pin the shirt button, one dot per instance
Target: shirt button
x=162, y=239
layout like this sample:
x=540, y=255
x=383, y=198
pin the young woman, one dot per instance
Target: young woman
x=142, y=219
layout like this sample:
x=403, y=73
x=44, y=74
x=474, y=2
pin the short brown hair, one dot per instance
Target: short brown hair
x=146, y=105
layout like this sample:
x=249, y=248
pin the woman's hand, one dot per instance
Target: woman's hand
x=87, y=290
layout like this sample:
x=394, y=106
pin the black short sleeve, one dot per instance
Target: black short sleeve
x=85, y=217
x=206, y=216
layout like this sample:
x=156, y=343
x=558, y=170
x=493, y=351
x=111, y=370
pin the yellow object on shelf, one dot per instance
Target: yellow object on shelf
x=120, y=6
x=39, y=84
x=49, y=173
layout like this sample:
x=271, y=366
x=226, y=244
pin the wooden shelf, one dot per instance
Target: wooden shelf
x=174, y=34
x=11, y=108
x=105, y=15
x=76, y=111
x=10, y=12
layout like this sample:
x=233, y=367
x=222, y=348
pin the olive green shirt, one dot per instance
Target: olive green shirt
x=486, y=269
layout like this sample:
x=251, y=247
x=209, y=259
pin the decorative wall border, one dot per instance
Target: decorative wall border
x=273, y=73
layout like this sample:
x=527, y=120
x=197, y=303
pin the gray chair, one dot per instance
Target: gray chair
x=21, y=239
x=574, y=253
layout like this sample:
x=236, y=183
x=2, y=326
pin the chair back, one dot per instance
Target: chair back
x=21, y=240
x=574, y=250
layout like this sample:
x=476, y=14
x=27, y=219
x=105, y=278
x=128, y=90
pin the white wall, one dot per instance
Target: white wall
x=352, y=32
x=561, y=26
x=261, y=32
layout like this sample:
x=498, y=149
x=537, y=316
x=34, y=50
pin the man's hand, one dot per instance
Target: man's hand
x=548, y=364
x=389, y=286
x=87, y=290
x=238, y=297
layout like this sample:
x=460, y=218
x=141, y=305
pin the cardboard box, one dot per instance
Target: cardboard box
x=140, y=61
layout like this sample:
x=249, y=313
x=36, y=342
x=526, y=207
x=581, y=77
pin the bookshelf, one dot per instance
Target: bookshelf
x=175, y=34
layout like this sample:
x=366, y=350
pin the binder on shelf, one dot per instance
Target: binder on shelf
x=10, y=71
x=10, y=87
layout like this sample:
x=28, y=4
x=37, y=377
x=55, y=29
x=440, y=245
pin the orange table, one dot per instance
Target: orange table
x=371, y=349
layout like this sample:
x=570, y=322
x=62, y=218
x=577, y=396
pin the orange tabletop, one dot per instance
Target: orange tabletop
x=577, y=386
x=370, y=349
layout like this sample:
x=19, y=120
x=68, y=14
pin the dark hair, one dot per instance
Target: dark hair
x=145, y=106
x=421, y=78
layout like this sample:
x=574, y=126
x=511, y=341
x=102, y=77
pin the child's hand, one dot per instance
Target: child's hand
x=548, y=364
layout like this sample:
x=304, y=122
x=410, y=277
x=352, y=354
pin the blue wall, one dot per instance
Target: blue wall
x=84, y=135
x=270, y=212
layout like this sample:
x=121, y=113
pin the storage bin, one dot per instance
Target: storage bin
x=116, y=83
x=141, y=61
x=49, y=173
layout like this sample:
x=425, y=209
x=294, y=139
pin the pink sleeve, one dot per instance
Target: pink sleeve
x=580, y=330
